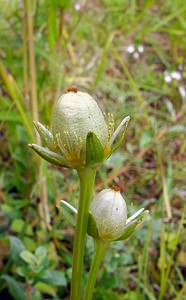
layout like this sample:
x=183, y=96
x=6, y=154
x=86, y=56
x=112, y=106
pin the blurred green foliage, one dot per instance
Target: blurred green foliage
x=86, y=44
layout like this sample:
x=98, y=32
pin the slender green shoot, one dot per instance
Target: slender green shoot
x=87, y=178
x=99, y=251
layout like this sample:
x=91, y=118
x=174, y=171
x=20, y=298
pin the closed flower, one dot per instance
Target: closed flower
x=80, y=135
x=110, y=213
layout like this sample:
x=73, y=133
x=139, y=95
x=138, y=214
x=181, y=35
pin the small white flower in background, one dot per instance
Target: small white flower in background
x=130, y=49
x=176, y=75
x=136, y=55
x=136, y=51
x=77, y=6
x=169, y=76
x=140, y=48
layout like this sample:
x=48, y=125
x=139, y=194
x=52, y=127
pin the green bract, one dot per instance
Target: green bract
x=80, y=135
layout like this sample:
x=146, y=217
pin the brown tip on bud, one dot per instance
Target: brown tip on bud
x=90, y=133
x=115, y=188
x=72, y=89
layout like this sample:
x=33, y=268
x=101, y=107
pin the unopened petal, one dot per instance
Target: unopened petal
x=75, y=115
x=110, y=212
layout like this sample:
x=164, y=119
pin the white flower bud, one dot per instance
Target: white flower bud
x=75, y=115
x=80, y=136
x=110, y=213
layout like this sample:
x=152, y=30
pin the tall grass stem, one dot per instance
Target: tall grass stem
x=43, y=206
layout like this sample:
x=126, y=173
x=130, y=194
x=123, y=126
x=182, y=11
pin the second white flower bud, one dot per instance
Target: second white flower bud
x=110, y=213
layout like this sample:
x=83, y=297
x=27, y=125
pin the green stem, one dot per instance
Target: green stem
x=100, y=247
x=43, y=205
x=87, y=178
x=32, y=64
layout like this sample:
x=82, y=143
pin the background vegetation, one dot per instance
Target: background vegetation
x=131, y=56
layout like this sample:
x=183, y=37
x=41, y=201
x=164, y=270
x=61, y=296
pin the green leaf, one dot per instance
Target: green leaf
x=29, y=243
x=19, y=226
x=28, y=257
x=50, y=156
x=9, y=116
x=46, y=288
x=56, y=278
x=16, y=289
x=102, y=60
x=94, y=150
x=52, y=23
x=41, y=254
x=16, y=247
x=146, y=139
x=92, y=227
x=133, y=295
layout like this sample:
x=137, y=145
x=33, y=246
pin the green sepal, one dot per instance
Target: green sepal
x=94, y=150
x=128, y=231
x=68, y=212
x=92, y=227
x=46, y=136
x=50, y=156
x=120, y=139
x=136, y=220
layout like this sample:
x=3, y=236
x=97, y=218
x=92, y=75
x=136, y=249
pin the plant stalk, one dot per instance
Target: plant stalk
x=32, y=65
x=99, y=251
x=25, y=58
x=43, y=205
x=87, y=179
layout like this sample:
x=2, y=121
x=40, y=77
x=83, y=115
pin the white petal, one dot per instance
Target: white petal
x=140, y=48
x=77, y=6
x=166, y=73
x=130, y=49
x=176, y=75
x=168, y=78
x=136, y=55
